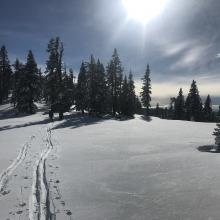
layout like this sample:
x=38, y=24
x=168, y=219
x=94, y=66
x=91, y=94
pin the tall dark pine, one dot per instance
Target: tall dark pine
x=179, y=105
x=54, y=77
x=124, y=97
x=28, y=86
x=131, y=95
x=54, y=70
x=114, y=82
x=128, y=97
x=82, y=90
x=92, y=85
x=101, y=93
x=146, y=90
x=17, y=76
x=5, y=74
x=193, y=104
x=207, y=110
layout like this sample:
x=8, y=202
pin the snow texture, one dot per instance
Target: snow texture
x=104, y=169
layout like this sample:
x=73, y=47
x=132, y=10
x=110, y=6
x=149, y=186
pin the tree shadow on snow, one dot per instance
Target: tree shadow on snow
x=146, y=118
x=208, y=149
x=78, y=120
x=9, y=127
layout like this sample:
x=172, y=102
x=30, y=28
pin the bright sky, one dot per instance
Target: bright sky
x=179, y=39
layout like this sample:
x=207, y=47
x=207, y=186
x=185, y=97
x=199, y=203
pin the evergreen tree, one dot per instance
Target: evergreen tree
x=114, y=82
x=128, y=97
x=54, y=70
x=92, y=85
x=5, y=74
x=146, y=90
x=82, y=90
x=28, y=83
x=124, y=97
x=138, y=106
x=157, y=110
x=16, y=77
x=131, y=95
x=193, y=103
x=207, y=110
x=54, y=76
x=101, y=89
x=179, y=105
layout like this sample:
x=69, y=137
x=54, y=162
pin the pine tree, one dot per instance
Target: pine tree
x=157, y=110
x=179, y=105
x=138, y=106
x=54, y=70
x=128, y=97
x=131, y=95
x=146, y=90
x=54, y=76
x=101, y=89
x=82, y=90
x=193, y=103
x=124, y=97
x=16, y=77
x=207, y=110
x=114, y=82
x=28, y=83
x=5, y=74
x=92, y=85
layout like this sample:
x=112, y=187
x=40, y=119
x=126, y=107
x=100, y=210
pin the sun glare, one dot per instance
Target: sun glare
x=144, y=10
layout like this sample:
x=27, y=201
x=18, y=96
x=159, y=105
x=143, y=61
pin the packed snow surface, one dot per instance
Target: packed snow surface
x=104, y=169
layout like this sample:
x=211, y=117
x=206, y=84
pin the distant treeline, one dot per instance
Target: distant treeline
x=191, y=108
x=98, y=90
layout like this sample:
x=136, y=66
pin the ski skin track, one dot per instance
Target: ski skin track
x=39, y=202
x=4, y=177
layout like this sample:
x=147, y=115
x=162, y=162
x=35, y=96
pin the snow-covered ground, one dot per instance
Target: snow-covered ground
x=96, y=169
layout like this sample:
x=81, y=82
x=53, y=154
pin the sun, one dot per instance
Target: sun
x=144, y=10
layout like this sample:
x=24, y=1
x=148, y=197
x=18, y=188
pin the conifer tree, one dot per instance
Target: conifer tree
x=16, y=77
x=82, y=90
x=207, y=110
x=146, y=90
x=28, y=86
x=179, y=106
x=157, y=110
x=5, y=74
x=92, y=85
x=124, y=97
x=128, y=97
x=193, y=103
x=54, y=70
x=101, y=89
x=131, y=95
x=114, y=82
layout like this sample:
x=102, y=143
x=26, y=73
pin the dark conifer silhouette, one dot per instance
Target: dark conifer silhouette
x=179, y=106
x=207, y=110
x=146, y=90
x=114, y=82
x=193, y=104
x=5, y=74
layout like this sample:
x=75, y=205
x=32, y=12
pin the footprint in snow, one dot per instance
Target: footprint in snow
x=68, y=212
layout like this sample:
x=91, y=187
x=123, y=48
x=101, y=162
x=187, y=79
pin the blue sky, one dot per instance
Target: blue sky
x=181, y=44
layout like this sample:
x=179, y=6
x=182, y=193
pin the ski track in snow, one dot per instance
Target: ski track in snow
x=4, y=177
x=40, y=205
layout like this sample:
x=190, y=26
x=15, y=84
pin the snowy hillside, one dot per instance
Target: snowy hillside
x=95, y=169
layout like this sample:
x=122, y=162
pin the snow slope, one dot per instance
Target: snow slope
x=103, y=169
